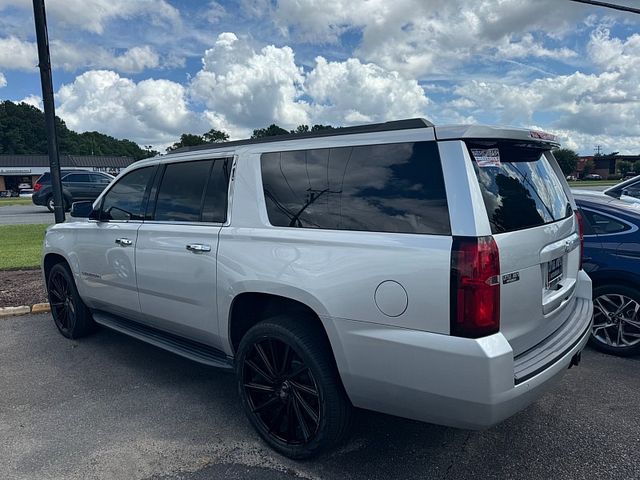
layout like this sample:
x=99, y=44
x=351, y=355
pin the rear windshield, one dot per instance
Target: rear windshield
x=519, y=187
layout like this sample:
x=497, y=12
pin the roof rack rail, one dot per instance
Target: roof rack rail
x=406, y=124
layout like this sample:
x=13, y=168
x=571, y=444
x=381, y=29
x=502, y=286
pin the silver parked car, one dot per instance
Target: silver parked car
x=428, y=272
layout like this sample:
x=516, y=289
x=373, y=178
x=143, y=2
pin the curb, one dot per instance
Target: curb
x=24, y=310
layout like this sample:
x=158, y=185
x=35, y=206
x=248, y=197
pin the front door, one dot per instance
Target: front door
x=106, y=247
x=177, y=249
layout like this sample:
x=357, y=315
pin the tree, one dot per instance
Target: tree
x=22, y=132
x=271, y=131
x=567, y=159
x=215, y=136
x=191, y=140
x=624, y=167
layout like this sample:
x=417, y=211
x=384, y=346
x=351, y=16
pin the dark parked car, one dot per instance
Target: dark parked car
x=76, y=185
x=612, y=260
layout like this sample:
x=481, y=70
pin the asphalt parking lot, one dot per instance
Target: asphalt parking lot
x=25, y=214
x=111, y=407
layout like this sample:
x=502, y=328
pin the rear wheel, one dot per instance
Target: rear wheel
x=71, y=316
x=50, y=203
x=290, y=388
x=616, y=320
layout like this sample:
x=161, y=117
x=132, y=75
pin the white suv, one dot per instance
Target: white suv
x=427, y=272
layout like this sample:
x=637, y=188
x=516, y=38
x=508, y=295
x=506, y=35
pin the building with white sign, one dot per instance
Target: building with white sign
x=17, y=170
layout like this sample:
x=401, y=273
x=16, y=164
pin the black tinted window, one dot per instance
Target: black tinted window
x=77, y=177
x=382, y=188
x=215, y=200
x=604, y=224
x=97, y=178
x=181, y=191
x=125, y=199
x=519, y=187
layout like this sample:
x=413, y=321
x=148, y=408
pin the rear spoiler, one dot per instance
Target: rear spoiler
x=484, y=132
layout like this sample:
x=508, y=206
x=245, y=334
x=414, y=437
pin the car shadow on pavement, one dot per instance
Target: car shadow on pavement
x=156, y=395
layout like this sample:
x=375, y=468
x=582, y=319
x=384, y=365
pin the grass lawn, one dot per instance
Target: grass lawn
x=5, y=202
x=21, y=245
x=594, y=183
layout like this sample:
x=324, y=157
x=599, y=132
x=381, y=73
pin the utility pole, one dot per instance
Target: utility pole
x=44, y=63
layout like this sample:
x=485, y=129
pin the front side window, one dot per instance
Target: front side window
x=381, y=188
x=124, y=201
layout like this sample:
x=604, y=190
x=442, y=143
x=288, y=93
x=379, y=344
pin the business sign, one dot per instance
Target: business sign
x=15, y=171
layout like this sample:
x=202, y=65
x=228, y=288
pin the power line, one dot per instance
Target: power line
x=623, y=8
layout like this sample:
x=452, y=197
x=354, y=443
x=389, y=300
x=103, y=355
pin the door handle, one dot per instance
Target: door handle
x=124, y=242
x=198, y=247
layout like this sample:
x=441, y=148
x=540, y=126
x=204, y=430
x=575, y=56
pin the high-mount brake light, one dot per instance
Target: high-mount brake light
x=475, y=287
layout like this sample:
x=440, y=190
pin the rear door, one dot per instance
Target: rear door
x=177, y=249
x=79, y=185
x=533, y=224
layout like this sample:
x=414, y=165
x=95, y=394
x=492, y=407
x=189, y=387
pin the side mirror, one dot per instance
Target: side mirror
x=82, y=210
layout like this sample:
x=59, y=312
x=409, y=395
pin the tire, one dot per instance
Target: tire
x=616, y=330
x=49, y=203
x=290, y=387
x=70, y=314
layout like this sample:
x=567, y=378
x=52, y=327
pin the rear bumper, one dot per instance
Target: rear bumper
x=459, y=382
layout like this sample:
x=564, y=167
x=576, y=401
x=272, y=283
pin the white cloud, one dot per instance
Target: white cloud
x=423, y=39
x=93, y=15
x=17, y=54
x=73, y=57
x=353, y=92
x=3, y=80
x=150, y=112
x=251, y=88
x=34, y=101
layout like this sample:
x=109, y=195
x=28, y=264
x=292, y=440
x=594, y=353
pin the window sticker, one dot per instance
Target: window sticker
x=489, y=157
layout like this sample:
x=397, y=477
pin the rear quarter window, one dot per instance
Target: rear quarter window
x=395, y=188
x=519, y=187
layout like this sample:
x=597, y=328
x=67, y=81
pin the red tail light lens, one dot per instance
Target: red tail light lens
x=475, y=287
x=37, y=187
x=580, y=233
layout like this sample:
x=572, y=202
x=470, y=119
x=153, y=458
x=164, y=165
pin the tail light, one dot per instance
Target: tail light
x=580, y=233
x=475, y=287
x=37, y=187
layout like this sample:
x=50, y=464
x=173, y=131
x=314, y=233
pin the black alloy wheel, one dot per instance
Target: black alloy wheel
x=282, y=392
x=71, y=316
x=290, y=388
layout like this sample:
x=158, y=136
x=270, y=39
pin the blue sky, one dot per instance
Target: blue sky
x=149, y=70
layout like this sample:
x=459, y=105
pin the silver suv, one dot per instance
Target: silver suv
x=427, y=272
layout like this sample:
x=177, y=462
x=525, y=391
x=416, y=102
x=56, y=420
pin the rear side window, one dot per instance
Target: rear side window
x=519, y=186
x=76, y=178
x=193, y=192
x=379, y=188
x=97, y=178
x=604, y=224
x=125, y=199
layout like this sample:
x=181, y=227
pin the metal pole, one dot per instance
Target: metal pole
x=49, y=109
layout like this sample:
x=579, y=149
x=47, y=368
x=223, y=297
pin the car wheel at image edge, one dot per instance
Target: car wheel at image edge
x=71, y=316
x=616, y=320
x=290, y=387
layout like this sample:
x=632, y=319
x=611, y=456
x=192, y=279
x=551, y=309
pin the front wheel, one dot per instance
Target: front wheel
x=616, y=320
x=290, y=388
x=71, y=316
